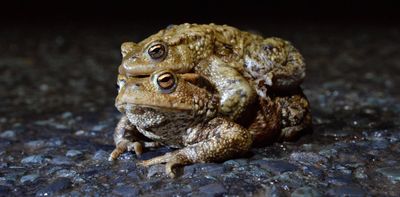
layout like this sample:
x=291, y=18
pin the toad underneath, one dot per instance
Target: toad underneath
x=211, y=91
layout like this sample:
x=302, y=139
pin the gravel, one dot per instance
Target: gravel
x=305, y=192
x=392, y=173
x=55, y=187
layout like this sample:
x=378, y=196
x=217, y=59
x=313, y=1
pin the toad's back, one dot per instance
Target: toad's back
x=269, y=62
x=222, y=40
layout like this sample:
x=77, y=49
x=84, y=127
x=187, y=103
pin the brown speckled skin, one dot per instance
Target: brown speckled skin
x=241, y=66
x=189, y=118
x=235, y=90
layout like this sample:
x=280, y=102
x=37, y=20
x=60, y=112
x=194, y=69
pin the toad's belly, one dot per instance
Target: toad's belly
x=174, y=141
x=163, y=126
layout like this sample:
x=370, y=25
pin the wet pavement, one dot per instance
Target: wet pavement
x=57, y=88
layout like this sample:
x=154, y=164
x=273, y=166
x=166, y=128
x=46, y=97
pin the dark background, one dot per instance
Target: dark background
x=232, y=12
x=83, y=39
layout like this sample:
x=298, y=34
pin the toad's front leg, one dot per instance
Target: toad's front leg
x=218, y=140
x=128, y=138
x=234, y=90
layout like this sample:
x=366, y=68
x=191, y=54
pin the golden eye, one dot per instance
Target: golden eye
x=166, y=81
x=157, y=51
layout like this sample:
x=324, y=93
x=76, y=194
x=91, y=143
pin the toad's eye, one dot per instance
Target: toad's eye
x=157, y=51
x=166, y=82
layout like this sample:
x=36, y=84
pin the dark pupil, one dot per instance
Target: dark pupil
x=166, y=81
x=156, y=51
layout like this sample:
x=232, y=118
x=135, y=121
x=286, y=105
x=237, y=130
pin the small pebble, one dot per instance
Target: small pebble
x=29, y=178
x=360, y=173
x=3, y=120
x=379, y=144
x=73, y=153
x=305, y=192
x=213, y=169
x=66, y=173
x=275, y=166
x=3, y=165
x=66, y=115
x=392, y=173
x=61, y=160
x=189, y=171
x=54, y=142
x=101, y=155
x=35, y=144
x=214, y=189
x=307, y=158
x=126, y=191
x=313, y=171
x=348, y=191
x=273, y=191
x=9, y=134
x=53, y=188
x=328, y=152
x=257, y=171
x=99, y=127
x=236, y=162
x=340, y=180
x=155, y=170
x=80, y=132
x=44, y=87
x=339, y=133
x=33, y=159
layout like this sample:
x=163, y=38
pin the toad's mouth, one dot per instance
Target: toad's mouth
x=141, y=108
x=139, y=76
x=148, y=69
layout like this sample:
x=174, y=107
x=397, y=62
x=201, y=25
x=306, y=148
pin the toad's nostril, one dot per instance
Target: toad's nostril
x=135, y=87
x=133, y=58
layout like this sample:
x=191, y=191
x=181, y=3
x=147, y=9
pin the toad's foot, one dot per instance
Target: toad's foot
x=126, y=145
x=123, y=146
x=172, y=160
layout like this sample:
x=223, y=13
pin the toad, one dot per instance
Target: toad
x=240, y=65
x=254, y=83
x=184, y=112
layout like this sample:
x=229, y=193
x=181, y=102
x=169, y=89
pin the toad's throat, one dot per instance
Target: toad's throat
x=144, y=117
x=154, y=118
x=159, y=126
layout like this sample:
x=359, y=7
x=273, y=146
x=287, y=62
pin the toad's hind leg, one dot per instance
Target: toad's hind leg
x=217, y=140
x=274, y=64
x=295, y=115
